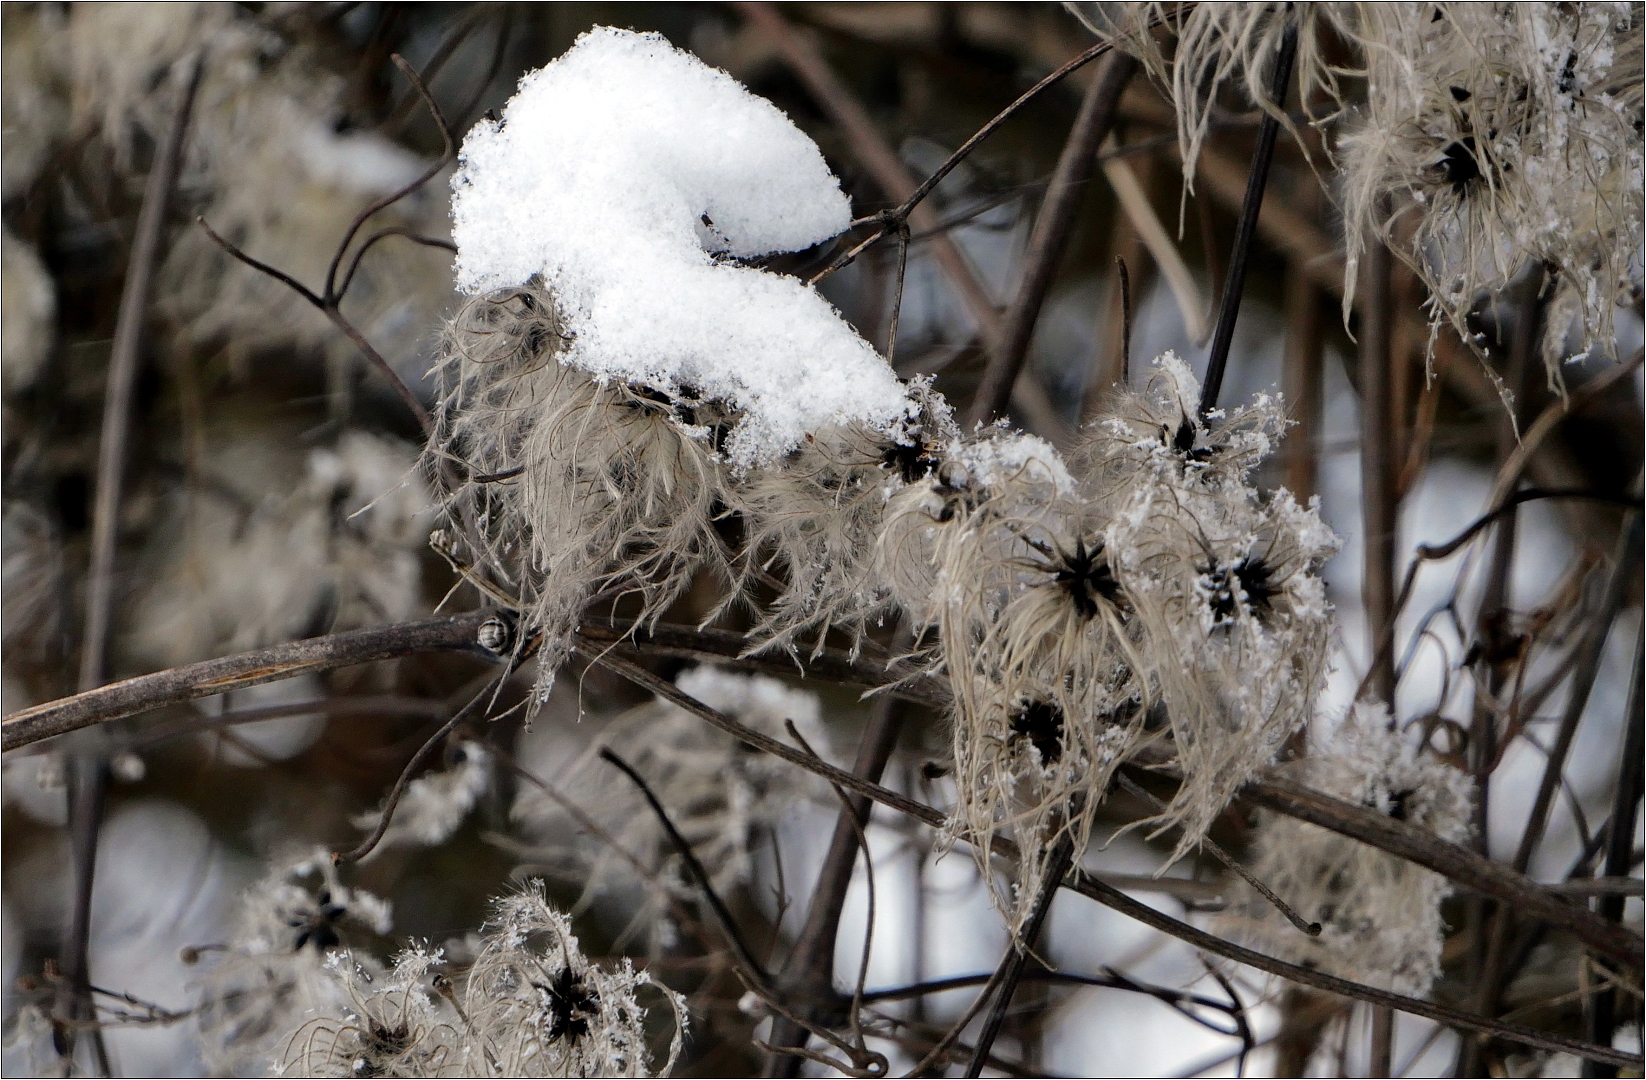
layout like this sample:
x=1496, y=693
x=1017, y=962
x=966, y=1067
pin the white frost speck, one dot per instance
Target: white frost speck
x=625, y=174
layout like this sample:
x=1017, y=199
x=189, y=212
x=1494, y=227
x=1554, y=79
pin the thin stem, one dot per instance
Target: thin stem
x=897, y=296
x=1602, y=1007
x=752, y=968
x=1312, y=929
x=1017, y=952
x=124, y=356
x=1431, y=552
x=129, y=697
x=448, y=152
x=1627, y=559
x=89, y=771
x=1108, y=896
x=1235, y=284
x=397, y=230
x=1125, y=280
x=809, y=971
x=366, y=846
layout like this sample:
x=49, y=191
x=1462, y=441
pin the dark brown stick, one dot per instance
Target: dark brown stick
x=129, y=697
x=1602, y=1010
x=1017, y=953
x=1246, y=231
x=1380, y=513
x=1461, y=865
x=88, y=771
x=809, y=972
x=457, y=634
x=1626, y=560
x=1088, y=886
x=1052, y=228
x=124, y=356
x=752, y=969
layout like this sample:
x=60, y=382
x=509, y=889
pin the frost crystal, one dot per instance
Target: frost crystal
x=630, y=179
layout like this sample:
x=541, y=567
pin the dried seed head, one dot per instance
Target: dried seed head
x=1380, y=914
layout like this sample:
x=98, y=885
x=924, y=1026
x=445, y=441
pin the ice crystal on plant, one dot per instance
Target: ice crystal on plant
x=273, y=973
x=1380, y=914
x=1497, y=136
x=1224, y=583
x=383, y=1024
x=541, y=1008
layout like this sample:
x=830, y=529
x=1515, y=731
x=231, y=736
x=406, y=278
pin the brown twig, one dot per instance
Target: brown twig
x=129, y=697
x=1018, y=950
x=458, y=635
x=89, y=772
x=1235, y=284
x=1110, y=897
x=809, y=970
x=1602, y=1010
x=487, y=694
x=329, y=301
x=752, y=970
x=1052, y=228
x=1378, y=499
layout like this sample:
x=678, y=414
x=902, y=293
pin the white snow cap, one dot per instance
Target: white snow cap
x=619, y=173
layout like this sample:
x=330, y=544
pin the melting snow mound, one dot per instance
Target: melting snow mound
x=624, y=174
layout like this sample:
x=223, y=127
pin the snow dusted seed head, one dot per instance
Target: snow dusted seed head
x=720, y=793
x=815, y=516
x=1223, y=582
x=434, y=805
x=992, y=475
x=571, y=484
x=1159, y=431
x=1380, y=914
x=542, y=1008
x=628, y=177
x=302, y=904
x=276, y=971
x=1498, y=136
x=381, y=1023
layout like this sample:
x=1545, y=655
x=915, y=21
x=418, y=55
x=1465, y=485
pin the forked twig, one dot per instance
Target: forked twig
x=329, y=301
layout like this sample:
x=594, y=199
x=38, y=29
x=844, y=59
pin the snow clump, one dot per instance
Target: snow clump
x=630, y=178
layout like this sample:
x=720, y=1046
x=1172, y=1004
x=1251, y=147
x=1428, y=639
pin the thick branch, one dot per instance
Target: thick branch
x=144, y=692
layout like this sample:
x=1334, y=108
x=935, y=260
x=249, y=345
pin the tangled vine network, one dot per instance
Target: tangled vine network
x=534, y=550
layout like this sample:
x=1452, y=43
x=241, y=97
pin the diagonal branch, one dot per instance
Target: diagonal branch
x=1235, y=285
x=1052, y=228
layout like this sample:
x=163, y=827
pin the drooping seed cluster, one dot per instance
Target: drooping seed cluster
x=1380, y=915
x=1148, y=596
x=1475, y=139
